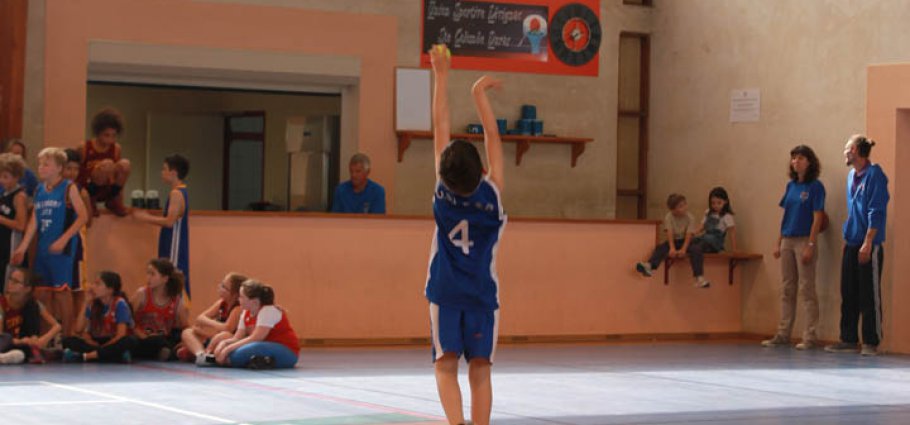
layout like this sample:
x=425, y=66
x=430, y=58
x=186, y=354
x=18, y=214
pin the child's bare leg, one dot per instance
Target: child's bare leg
x=191, y=341
x=121, y=172
x=45, y=297
x=102, y=174
x=213, y=344
x=481, y=391
x=447, y=385
x=63, y=303
x=78, y=301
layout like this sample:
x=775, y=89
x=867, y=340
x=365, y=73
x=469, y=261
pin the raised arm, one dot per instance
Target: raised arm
x=442, y=122
x=491, y=138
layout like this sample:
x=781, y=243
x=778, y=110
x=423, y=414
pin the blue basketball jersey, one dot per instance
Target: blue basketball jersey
x=462, y=270
x=50, y=211
x=174, y=242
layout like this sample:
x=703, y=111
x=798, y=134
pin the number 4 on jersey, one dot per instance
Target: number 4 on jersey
x=465, y=242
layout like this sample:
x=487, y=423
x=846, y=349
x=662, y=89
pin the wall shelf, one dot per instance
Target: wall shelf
x=524, y=142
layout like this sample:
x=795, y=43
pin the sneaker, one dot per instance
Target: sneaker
x=37, y=356
x=842, y=347
x=202, y=360
x=126, y=357
x=70, y=356
x=12, y=357
x=164, y=354
x=869, y=350
x=644, y=269
x=776, y=341
x=701, y=282
x=261, y=363
x=184, y=355
x=806, y=345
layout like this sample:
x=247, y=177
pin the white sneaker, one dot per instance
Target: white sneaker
x=701, y=282
x=644, y=269
x=12, y=357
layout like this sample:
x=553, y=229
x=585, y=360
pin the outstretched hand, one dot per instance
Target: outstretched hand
x=440, y=58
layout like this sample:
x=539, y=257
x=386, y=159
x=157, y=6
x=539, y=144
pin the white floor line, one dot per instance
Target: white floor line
x=141, y=403
x=57, y=403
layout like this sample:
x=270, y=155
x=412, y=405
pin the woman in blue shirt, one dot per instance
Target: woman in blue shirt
x=804, y=211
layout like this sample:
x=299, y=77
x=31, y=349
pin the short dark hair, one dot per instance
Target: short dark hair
x=105, y=119
x=674, y=200
x=863, y=145
x=720, y=193
x=178, y=163
x=815, y=167
x=72, y=155
x=460, y=167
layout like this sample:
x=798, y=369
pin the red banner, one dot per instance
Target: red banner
x=538, y=36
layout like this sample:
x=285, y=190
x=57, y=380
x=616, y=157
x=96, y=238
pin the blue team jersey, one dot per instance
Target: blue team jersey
x=462, y=272
x=174, y=241
x=50, y=211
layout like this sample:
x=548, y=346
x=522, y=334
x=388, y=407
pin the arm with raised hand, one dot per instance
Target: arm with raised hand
x=491, y=137
x=442, y=124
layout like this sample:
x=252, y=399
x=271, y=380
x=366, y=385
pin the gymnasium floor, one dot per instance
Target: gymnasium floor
x=679, y=383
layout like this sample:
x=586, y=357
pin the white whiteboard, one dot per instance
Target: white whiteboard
x=412, y=99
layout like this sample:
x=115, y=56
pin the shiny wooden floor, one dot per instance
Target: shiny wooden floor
x=678, y=383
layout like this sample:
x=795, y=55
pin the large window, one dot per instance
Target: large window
x=247, y=150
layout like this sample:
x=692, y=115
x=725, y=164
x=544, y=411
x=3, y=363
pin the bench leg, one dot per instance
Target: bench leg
x=733, y=264
x=667, y=263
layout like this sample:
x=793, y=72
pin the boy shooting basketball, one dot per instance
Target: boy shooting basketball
x=462, y=286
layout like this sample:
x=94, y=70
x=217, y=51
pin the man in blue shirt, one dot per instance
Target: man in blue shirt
x=864, y=233
x=359, y=195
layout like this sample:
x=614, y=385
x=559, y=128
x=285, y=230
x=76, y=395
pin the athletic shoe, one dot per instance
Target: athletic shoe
x=12, y=357
x=205, y=360
x=777, y=341
x=806, y=345
x=184, y=355
x=701, y=282
x=842, y=347
x=70, y=356
x=644, y=269
x=37, y=356
x=261, y=363
x=164, y=354
x=869, y=350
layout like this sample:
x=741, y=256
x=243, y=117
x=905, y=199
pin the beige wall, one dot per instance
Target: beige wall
x=809, y=59
x=545, y=290
x=135, y=103
x=544, y=185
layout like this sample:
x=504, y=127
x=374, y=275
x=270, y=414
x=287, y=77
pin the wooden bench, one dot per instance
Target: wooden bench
x=734, y=259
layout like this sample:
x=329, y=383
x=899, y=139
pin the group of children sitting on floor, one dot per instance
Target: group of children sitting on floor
x=243, y=328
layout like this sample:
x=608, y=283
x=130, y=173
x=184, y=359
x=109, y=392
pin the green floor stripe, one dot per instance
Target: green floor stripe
x=385, y=418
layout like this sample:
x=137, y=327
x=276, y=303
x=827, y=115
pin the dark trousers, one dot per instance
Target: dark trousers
x=861, y=295
x=106, y=353
x=150, y=346
x=696, y=256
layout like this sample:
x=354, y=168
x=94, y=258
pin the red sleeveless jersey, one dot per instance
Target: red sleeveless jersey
x=281, y=333
x=90, y=158
x=155, y=319
x=12, y=318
